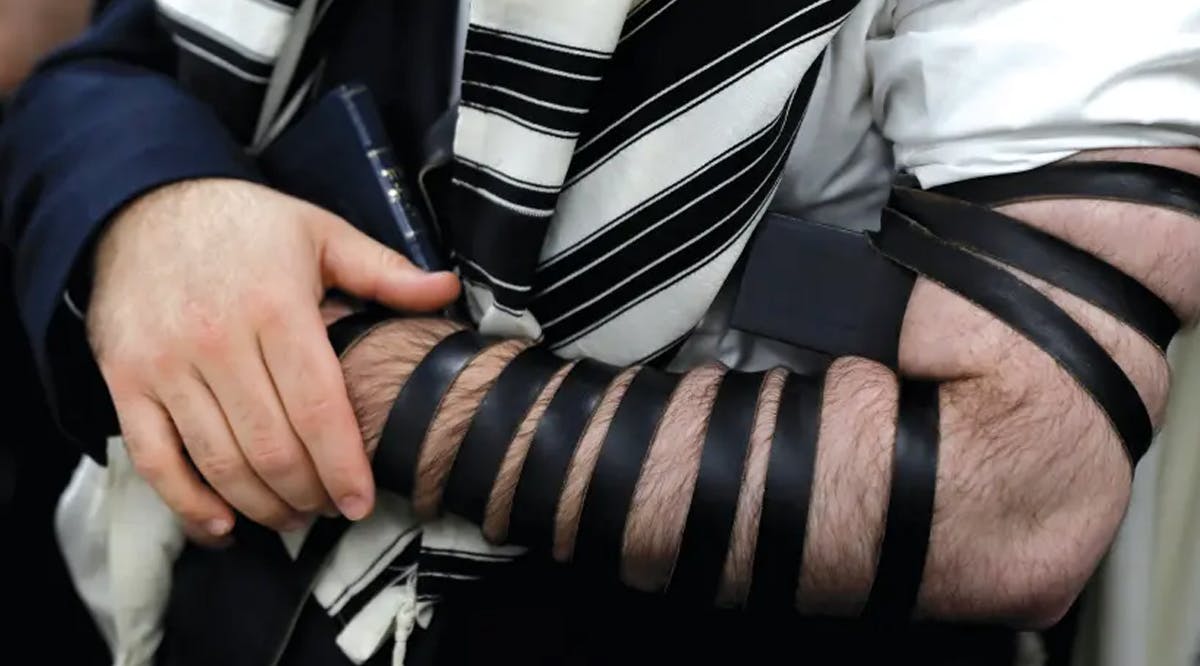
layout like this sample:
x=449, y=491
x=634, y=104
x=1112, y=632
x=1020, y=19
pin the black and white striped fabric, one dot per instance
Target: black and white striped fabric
x=611, y=160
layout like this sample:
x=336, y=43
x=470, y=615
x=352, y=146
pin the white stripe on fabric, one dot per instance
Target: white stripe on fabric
x=512, y=148
x=502, y=202
x=533, y=65
x=636, y=176
x=670, y=313
x=646, y=20
x=365, y=550
x=698, y=72
x=491, y=110
x=521, y=96
x=587, y=27
x=683, y=244
x=217, y=60
x=253, y=29
x=507, y=178
x=492, y=278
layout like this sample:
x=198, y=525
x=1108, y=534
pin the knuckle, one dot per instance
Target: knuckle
x=163, y=361
x=151, y=467
x=315, y=411
x=274, y=458
x=220, y=469
x=391, y=261
x=210, y=338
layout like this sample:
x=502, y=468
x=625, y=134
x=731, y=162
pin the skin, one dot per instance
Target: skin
x=31, y=28
x=1033, y=482
x=204, y=319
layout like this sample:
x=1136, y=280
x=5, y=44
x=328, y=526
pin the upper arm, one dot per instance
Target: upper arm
x=969, y=88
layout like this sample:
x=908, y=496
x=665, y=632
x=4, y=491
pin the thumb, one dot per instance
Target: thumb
x=358, y=264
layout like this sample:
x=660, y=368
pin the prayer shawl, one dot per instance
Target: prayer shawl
x=611, y=159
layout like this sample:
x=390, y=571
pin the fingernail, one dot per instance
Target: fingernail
x=353, y=507
x=219, y=526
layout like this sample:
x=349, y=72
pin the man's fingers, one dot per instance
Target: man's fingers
x=358, y=264
x=309, y=379
x=157, y=454
x=208, y=439
x=253, y=410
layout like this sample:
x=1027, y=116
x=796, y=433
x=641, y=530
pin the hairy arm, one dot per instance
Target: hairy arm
x=1032, y=481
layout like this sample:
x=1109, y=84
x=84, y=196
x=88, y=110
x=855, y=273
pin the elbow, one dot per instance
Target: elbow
x=1047, y=560
x=1016, y=543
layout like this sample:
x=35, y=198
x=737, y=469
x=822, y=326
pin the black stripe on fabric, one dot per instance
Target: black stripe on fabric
x=499, y=45
x=676, y=266
x=649, y=91
x=215, y=49
x=507, y=299
x=366, y=571
x=528, y=184
x=682, y=195
x=469, y=554
x=530, y=113
x=642, y=15
x=459, y=565
x=477, y=178
x=659, y=226
x=561, y=88
x=385, y=577
x=483, y=108
x=235, y=101
x=439, y=586
x=544, y=46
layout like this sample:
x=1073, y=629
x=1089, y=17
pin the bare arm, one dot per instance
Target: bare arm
x=1032, y=481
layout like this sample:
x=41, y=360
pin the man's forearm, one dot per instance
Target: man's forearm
x=1032, y=480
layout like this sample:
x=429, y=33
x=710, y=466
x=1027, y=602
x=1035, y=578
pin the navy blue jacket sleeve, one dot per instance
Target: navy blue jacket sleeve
x=99, y=123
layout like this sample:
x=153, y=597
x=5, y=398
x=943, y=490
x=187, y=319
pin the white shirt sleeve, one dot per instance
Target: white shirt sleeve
x=966, y=88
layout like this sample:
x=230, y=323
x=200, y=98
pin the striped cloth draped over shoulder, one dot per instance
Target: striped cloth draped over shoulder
x=612, y=158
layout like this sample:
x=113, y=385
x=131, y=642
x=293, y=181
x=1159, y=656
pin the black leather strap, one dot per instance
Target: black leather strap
x=910, y=508
x=1117, y=181
x=709, y=527
x=348, y=330
x=1028, y=312
x=601, y=535
x=505, y=406
x=783, y=525
x=535, y=502
x=417, y=403
x=1039, y=254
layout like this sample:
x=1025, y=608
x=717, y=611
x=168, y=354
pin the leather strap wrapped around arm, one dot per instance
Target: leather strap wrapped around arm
x=535, y=502
x=783, y=525
x=709, y=526
x=600, y=539
x=412, y=413
x=910, y=510
x=493, y=428
x=1041, y=255
x=1028, y=312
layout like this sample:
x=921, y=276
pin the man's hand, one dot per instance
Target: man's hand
x=205, y=321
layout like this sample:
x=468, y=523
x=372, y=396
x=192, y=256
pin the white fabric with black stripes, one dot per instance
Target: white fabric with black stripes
x=612, y=159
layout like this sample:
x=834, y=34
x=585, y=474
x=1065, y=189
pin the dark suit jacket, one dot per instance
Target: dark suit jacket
x=125, y=110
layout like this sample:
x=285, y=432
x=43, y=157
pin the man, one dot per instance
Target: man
x=611, y=161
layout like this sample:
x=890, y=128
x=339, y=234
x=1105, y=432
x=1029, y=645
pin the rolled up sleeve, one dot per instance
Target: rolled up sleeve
x=967, y=88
